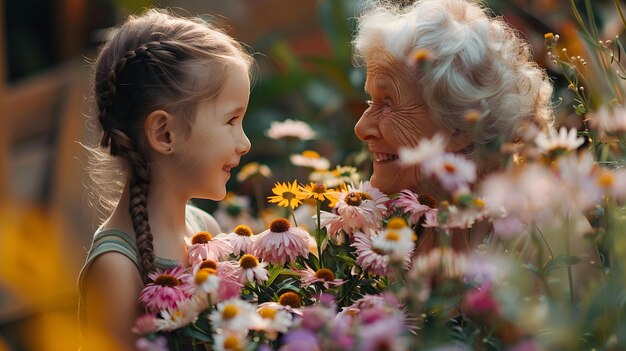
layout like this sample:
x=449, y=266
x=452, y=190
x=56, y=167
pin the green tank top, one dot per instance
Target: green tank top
x=113, y=240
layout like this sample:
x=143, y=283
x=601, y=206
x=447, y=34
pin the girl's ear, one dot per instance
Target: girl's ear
x=160, y=131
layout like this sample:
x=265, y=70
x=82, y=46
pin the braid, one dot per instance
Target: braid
x=109, y=89
x=139, y=185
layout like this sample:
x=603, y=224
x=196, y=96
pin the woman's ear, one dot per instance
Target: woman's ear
x=160, y=131
x=459, y=140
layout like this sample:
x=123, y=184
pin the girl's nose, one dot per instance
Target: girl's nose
x=243, y=146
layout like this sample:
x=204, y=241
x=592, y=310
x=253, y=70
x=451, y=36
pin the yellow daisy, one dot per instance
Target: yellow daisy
x=319, y=192
x=287, y=195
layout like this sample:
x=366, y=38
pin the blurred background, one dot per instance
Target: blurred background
x=305, y=73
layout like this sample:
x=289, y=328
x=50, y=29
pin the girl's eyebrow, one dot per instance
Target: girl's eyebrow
x=236, y=110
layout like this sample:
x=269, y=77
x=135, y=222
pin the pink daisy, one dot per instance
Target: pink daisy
x=250, y=270
x=241, y=239
x=204, y=246
x=323, y=275
x=416, y=205
x=281, y=243
x=359, y=208
x=167, y=290
x=144, y=324
x=384, y=334
x=288, y=301
x=375, y=261
x=229, y=285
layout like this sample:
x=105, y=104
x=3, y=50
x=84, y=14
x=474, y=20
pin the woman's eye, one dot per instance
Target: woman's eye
x=369, y=102
x=232, y=121
x=387, y=105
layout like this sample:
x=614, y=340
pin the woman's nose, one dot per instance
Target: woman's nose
x=367, y=127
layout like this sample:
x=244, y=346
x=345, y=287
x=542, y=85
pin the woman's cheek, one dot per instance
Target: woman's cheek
x=402, y=130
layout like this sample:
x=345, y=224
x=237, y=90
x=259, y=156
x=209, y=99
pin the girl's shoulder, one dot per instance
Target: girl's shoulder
x=201, y=220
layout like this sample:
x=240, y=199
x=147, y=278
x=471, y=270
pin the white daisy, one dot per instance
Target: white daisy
x=273, y=321
x=230, y=340
x=453, y=171
x=424, y=151
x=234, y=314
x=290, y=128
x=612, y=121
x=207, y=281
x=311, y=159
x=184, y=314
x=555, y=143
x=397, y=240
x=336, y=177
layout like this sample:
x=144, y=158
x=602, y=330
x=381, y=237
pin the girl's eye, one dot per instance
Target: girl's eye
x=369, y=102
x=232, y=121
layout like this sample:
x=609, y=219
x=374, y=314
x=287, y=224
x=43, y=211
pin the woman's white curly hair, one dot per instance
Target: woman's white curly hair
x=478, y=62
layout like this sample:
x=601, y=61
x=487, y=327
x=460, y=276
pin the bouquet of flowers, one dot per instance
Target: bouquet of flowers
x=530, y=257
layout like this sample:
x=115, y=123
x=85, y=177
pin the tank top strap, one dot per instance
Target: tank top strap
x=195, y=218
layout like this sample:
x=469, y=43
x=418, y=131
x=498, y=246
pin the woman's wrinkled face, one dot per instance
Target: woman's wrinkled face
x=397, y=117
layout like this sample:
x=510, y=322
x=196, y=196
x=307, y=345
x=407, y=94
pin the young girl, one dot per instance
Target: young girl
x=171, y=95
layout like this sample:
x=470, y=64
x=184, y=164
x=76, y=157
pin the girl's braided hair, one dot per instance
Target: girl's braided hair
x=154, y=61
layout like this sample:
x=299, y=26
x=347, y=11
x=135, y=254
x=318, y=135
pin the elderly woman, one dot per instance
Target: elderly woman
x=474, y=63
x=430, y=66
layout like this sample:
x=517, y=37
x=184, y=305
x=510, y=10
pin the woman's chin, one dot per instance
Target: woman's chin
x=385, y=184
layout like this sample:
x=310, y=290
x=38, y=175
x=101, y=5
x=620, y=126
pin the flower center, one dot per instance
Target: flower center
x=231, y=343
x=290, y=299
x=449, y=167
x=383, y=345
x=166, y=280
x=353, y=199
x=392, y=235
x=396, y=223
x=606, y=179
x=203, y=274
x=229, y=312
x=378, y=251
x=319, y=188
x=325, y=274
x=268, y=313
x=428, y=200
x=365, y=196
x=208, y=264
x=243, y=230
x=478, y=203
x=310, y=154
x=201, y=238
x=279, y=225
x=248, y=261
x=288, y=195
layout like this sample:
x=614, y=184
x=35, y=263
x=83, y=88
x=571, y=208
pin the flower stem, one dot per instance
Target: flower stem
x=293, y=215
x=318, y=236
x=570, y=276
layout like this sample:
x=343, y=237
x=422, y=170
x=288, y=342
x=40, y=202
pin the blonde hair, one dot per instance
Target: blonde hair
x=477, y=63
x=155, y=60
